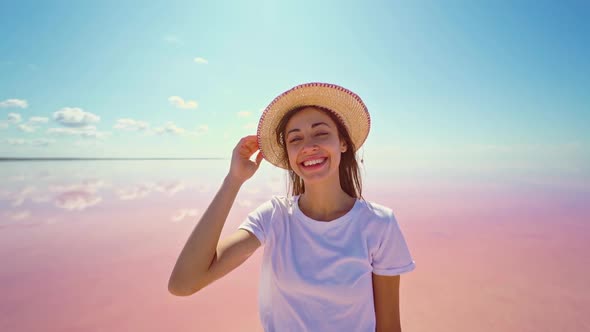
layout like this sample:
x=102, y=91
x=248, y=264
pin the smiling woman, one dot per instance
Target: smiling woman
x=332, y=260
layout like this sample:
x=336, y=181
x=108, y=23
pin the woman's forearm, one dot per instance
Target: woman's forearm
x=199, y=250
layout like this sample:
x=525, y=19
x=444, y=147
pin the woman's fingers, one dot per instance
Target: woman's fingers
x=259, y=158
x=252, y=143
x=247, y=151
x=242, y=167
x=249, y=138
x=248, y=145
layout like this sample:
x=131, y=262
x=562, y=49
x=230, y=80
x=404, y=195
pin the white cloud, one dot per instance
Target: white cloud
x=27, y=128
x=244, y=114
x=33, y=142
x=14, y=118
x=68, y=131
x=182, y=104
x=20, y=103
x=202, y=61
x=15, y=141
x=3, y=125
x=130, y=124
x=38, y=119
x=75, y=117
x=184, y=213
x=88, y=132
x=30, y=126
x=170, y=128
x=42, y=142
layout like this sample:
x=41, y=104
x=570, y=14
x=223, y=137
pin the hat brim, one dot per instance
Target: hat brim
x=347, y=105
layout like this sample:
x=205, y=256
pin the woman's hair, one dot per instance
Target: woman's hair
x=350, y=178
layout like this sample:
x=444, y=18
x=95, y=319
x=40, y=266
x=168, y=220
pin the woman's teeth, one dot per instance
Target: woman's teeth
x=313, y=162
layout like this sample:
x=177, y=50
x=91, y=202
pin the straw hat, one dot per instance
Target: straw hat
x=347, y=105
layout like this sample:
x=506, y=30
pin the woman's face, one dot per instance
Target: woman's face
x=313, y=145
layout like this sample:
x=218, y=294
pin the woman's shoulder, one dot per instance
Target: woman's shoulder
x=376, y=210
x=276, y=202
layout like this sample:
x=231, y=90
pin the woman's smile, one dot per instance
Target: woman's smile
x=314, y=164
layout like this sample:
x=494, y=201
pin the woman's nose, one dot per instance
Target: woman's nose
x=310, y=146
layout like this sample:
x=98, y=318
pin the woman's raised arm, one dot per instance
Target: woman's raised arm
x=203, y=258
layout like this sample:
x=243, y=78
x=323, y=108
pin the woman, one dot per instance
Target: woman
x=331, y=259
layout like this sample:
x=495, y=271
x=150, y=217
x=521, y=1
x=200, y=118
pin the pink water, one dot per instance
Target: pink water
x=90, y=247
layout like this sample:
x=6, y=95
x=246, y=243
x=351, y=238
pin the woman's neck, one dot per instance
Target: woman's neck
x=325, y=203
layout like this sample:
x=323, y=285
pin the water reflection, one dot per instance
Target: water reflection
x=90, y=246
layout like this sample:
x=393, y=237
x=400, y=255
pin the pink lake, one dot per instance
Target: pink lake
x=89, y=246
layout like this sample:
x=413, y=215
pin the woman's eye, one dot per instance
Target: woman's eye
x=322, y=134
x=294, y=139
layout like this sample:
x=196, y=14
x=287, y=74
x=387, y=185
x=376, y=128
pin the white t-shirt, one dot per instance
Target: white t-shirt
x=316, y=276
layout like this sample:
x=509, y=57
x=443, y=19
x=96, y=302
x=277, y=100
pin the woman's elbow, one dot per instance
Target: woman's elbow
x=178, y=292
x=181, y=289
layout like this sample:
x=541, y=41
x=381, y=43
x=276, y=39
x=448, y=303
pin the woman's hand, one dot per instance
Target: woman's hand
x=242, y=168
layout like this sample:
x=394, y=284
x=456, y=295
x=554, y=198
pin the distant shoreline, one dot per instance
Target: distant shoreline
x=5, y=159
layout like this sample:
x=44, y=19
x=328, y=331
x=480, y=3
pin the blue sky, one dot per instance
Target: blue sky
x=499, y=84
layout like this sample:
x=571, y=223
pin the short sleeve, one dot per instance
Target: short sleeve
x=392, y=257
x=257, y=222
